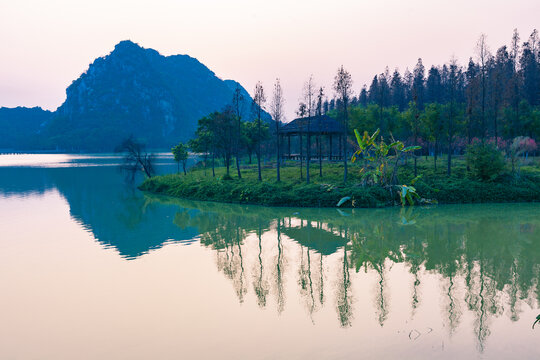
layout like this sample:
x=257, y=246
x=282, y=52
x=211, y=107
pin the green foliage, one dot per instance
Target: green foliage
x=408, y=193
x=485, y=160
x=180, y=152
x=250, y=134
x=378, y=155
x=326, y=192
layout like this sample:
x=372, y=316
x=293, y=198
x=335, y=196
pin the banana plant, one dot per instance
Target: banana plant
x=408, y=192
x=377, y=155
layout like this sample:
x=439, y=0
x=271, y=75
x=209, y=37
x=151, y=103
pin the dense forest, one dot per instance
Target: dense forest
x=494, y=97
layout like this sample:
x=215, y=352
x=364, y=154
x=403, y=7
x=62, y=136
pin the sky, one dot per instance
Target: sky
x=45, y=45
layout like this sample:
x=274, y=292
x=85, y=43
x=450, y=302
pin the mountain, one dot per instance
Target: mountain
x=134, y=91
x=20, y=127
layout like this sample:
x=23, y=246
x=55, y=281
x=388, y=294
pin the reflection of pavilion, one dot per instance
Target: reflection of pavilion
x=319, y=127
x=318, y=238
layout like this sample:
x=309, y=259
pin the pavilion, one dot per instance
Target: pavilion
x=315, y=126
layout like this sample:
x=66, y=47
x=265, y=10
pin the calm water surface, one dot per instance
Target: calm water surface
x=91, y=268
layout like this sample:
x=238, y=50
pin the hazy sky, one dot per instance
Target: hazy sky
x=44, y=45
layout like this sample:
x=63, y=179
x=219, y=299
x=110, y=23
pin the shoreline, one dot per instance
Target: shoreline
x=327, y=195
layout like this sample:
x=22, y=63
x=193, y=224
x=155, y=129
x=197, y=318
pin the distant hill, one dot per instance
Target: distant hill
x=20, y=128
x=134, y=91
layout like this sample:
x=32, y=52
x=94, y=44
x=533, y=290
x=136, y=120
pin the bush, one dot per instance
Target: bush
x=485, y=161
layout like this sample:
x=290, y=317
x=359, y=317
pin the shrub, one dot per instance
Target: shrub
x=485, y=160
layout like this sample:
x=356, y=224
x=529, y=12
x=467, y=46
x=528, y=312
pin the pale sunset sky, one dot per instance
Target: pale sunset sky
x=45, y=45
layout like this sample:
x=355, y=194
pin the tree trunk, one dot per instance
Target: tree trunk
x=435, y=153
x=308, y=156
x=449, y=165
x=278, y=158
x=319, y=147
x=345, y=157
x=213, y=165
x=238, y=166
x=259, y=148
x=301, y=157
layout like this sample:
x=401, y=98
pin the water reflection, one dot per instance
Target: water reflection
x=485, y=255
x=115, y=212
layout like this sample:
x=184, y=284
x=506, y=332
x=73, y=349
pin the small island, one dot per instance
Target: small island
x=328, y=190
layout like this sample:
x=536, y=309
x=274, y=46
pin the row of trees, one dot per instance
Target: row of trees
x=495, y=98
x=226, y=135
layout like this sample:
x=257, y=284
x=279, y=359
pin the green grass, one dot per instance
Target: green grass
x=327, y=190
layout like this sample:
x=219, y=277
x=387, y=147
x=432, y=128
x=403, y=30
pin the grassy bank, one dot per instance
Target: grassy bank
x=327, y=190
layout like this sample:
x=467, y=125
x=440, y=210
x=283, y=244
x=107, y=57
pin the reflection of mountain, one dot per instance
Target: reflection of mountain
x=113, y=211
x=485, y=257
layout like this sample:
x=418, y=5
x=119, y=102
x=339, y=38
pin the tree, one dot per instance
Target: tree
x=200, y=144
x=472, y=86
x=434, y=90
x=250, y=136
x=451, y=126
x=397, y=91
x=412, y=116
x=530, y=69
x=301, y=112
x=433, y=126
x=259, y=99
x=237, y=104
x=418, y=84
x=180, y=153
x=319, y=116
x=136, y=158
x=482, y=52
x=343, y=88
x=276, y=110
x=309, y=99
x=206, y=126
x=224, y=129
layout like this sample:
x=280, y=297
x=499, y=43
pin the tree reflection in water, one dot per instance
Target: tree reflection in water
x=485, y=258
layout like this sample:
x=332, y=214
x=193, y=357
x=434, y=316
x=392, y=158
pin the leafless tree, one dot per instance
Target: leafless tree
x=276, y=110
x=482, y=52
x=136, y=158
x=343, y=88
x=259, y=99
x=319, y=115
x=309, y=100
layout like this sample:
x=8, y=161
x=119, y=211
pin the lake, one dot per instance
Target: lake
x=91, y=268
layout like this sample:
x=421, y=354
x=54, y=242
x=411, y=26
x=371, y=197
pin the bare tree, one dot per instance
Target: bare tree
x=451, y=126
x=343, y=88
x=514, y=51
x=276, y=110
x=319, y=115
x=136, y=158
x=259, y=99
x=309, y=100
x=301, y=112
x=482, y=52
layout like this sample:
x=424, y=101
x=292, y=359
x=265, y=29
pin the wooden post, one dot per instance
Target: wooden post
x=340, y=145
x=330, y=147
x=289, y=144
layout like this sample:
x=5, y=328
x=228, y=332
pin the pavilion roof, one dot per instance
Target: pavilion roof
x=321, y=124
